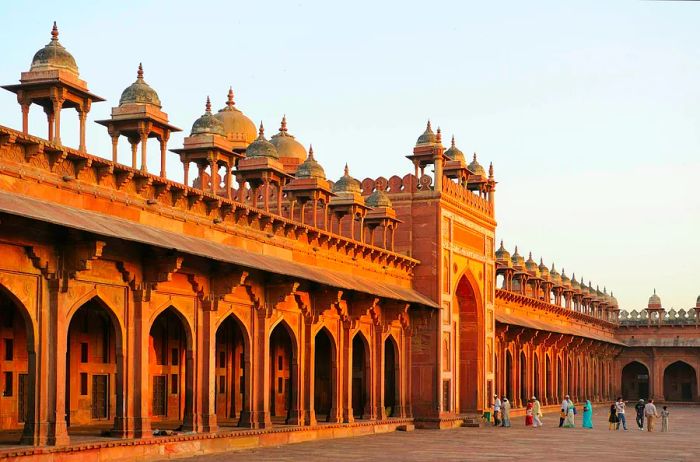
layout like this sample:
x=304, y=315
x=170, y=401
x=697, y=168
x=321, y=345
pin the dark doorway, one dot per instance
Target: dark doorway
x=680, y=382
x=324, y=375
x=635, y=381
x=471, y=337
x=509, y=376
x=523, y=379
x=390, y=377
x=231, y=398
x=281, y=373
x=360, y=376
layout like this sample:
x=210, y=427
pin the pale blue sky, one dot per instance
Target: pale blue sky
x=590, y=111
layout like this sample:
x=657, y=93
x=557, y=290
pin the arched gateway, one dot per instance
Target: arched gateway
x=471, y=346
x=635, y=381
x=680, y=382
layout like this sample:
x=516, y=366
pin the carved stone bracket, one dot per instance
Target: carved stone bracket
x=161, y=267
x=80, y=255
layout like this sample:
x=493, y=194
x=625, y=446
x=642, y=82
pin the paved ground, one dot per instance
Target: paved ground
x=549, y=443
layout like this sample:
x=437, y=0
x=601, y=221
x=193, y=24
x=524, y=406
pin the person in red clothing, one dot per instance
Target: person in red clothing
x=528, y=414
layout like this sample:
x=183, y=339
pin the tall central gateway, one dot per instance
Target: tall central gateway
x=448, y=224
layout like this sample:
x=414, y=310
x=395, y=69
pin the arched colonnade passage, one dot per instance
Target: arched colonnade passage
x=549, y=366
x=258, y=354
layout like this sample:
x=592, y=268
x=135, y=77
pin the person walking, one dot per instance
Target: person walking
x=505, y=412
x=536, y=412
x=664, y=419
x=496, y=411
x=639, y=407
x=528, y=414
x=569, y=422
x=564, y=408
x=588, y=415
x=612, y=418
x=650, y=414
x=620, y=410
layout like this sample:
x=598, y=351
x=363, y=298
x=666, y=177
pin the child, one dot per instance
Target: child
x=612, y=425
x=664, y=419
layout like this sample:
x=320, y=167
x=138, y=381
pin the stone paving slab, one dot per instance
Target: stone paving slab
x=548, y=443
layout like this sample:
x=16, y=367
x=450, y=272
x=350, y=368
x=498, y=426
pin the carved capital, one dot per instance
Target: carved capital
x=160, y=267
x=80, y=255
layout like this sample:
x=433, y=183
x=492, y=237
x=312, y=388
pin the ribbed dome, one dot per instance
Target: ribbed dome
x=502, y=253
x=54, y=56
x=346, y=183
x=454, y=153
x=261, y=147
x=554, y=275
x=531, y=265
x=565, y=281
x=236, y=124
x=544, y=271
x=517, y=259
x=654, y=300
x=428, y=136
x=286, y=145
x=476, y=168
x=574, y=283
x=378, y=199
x=139, y=92
x=310, y=168
x=207, y=123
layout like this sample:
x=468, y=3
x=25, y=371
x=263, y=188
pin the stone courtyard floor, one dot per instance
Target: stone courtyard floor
x=548, y=443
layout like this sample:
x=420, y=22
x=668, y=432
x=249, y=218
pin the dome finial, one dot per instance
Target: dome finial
x=474, y=158
x=207, y=107
x=139, y=73
x=311, y=152
x=230, y=103
x=491, y=170
x=283, y=125
x=453, y=141
x=438, y=136
x=54, y=32
x=654, y=291
x=261, y=130
x=428, y=127
x=346, y=170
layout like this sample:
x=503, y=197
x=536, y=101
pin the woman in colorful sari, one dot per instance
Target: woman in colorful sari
x=528, y=414
x=570, y=412
x=587, y=415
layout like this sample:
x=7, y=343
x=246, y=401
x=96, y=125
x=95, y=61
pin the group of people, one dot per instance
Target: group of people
x=567, y=419
x=501, y=412
x=645, y=411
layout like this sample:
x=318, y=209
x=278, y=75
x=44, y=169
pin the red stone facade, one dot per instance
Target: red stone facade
x=264, y=295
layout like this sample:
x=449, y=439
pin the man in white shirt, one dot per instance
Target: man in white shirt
x=620, y=409
x=536, y=412
x=496, y=411
x=650, y=414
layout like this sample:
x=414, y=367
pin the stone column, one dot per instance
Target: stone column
x=345, y=398
x=207, y=372
x=115, y=143
x=377, y=346
x=139, y=380
x=260, y=371
x=144, y=144
x=57, y=105
x=308, y=349
x=56, y=342
x=82, y=116
x=25, y=118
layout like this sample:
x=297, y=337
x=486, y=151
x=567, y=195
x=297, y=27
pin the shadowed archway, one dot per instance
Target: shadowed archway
x=471, y=335
x=635, y=381
x=680, y=382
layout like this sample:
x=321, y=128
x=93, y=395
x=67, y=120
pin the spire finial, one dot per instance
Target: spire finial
x=501, y=242
x=54, y=32
x=311, y=151
x=474, y=157
x=530, y=256
x=541, y=262
x=453, y=141
x=207, y=107
x=139, y=73
x=230, y=103
x=438, y=138
x=347, y=170
x=261, y=130
x=516, y=249
x=283, y=126
x=654, y=290
x=428, y=127
x=491, y=170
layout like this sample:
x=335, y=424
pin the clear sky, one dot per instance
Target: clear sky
x=590, y=111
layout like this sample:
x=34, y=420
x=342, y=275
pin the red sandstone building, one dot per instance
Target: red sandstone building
x=260, y=295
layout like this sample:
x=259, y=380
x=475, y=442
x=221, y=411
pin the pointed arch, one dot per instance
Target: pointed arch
x=635, y=380
x=471, y=339
x=392, y=378
x=361, y=375
x=680, y=382
x=325, y=375
x=284, y=371
x=232, y=371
